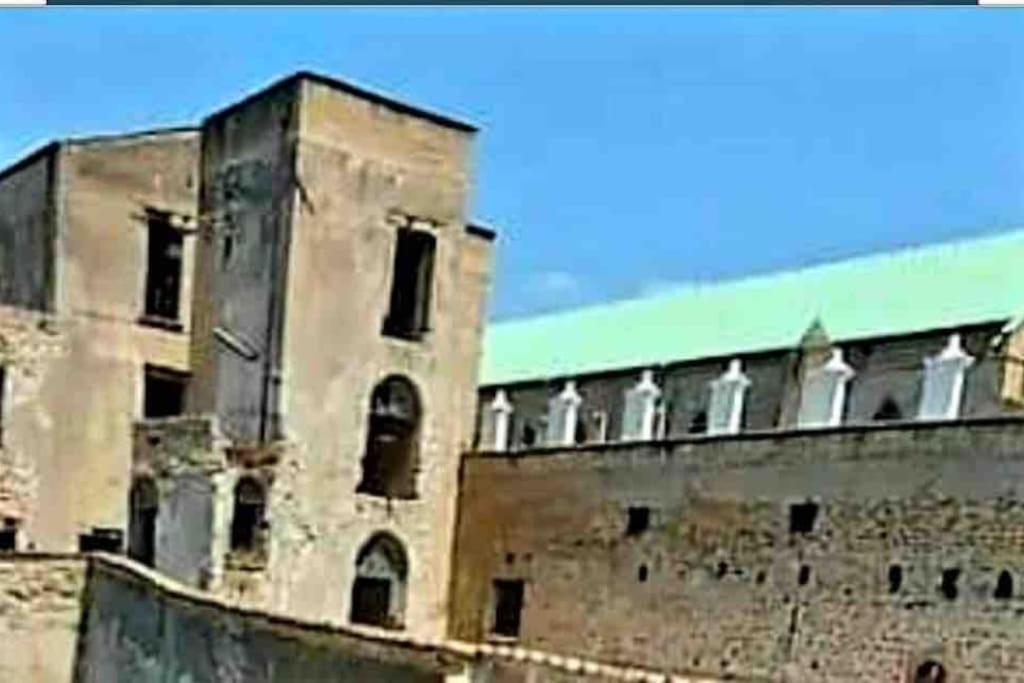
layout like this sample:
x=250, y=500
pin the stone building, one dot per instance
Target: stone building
x=252, y=356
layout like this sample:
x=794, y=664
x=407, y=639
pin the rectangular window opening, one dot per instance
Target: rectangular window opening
x=163, y=271
x=3, y=395
x=638, y=520
x=802, y=517
x=164, y=392
x=9, y=535
x=508, y=607
x=412, y=280
x=101, y=539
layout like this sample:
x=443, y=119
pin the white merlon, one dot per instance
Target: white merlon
x=943, y=384
x=640, y=409
x=727, y=394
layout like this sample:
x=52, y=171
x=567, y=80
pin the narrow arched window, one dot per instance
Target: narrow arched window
x=390, y=461
x=930, y=672
x=378, y=591
x=247, y=521
x=144, y=505
x=888, y=411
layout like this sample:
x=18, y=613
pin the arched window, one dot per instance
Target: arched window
x=247, y=522
x=144, y=504
x=889, y=411
x=378, y=592
x=390, y=460
x=930, y=672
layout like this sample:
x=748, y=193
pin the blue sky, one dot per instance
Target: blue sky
x=621, y=150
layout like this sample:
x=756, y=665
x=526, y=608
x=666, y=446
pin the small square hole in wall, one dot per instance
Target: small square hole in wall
x=802, y=517
x=638, y=520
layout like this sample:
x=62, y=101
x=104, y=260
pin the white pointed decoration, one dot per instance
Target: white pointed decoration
x=499, y=415
x=727, y=394
x=943, y=385
x=824, y=393
x=563, y=412
x=640, y=407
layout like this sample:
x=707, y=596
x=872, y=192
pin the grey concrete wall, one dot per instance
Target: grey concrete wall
x=714, y=585
x=135, y=632
x=28, y=231
x=248, y=186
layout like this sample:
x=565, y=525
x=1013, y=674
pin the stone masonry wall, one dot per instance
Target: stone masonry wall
x=719, y=584
x=40, y=609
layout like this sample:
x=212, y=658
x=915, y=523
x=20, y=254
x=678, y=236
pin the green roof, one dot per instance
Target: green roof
x=911, y=290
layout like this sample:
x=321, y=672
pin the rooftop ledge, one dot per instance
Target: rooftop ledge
x=763, y=435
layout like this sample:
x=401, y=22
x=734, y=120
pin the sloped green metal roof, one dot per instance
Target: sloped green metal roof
x=911, y=290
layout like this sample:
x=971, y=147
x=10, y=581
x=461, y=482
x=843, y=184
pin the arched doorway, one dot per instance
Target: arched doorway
x=144, y=505
x=248, y=518
x=378, y=592
x=930, y=672
x=390, y=460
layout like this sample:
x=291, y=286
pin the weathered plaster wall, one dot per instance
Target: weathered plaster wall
x=714, y=584
x=40, y=612
x=363, y=169
x=32, y=347
x=81, y=445
x=28, y=231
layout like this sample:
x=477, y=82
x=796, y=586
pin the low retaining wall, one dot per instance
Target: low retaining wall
x=107, y=619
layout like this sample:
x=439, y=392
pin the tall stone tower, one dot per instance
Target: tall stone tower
x=339, y=307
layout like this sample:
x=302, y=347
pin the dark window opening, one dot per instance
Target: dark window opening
x=580, y=434
x=641, y=574
x=895, y=578
x=390, y=462
x=802, y=517
x=3, y=394
x=804, y=576
x=638, y=520
x=409, y=311
x=948, y=586
x=163, y=269
x=101, y=539
x=163, y=392
x=144, y=504
x=529, y=436
x=9, y=536
x=699, y=423
x=1004, y=586
x=508, y=607
x=371, y=601
x=378, y=592
x=248, y=519
x=889, y=411
x=930, y=672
